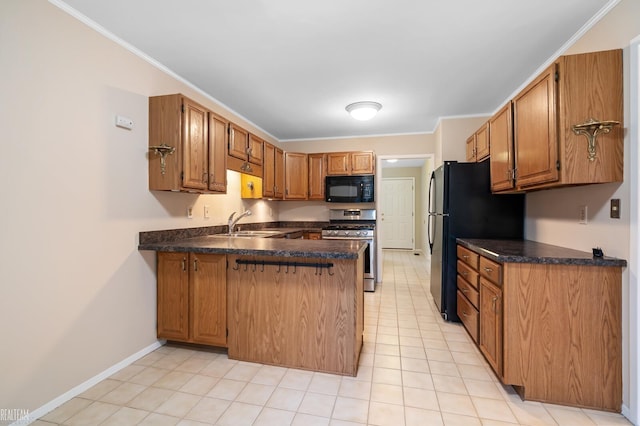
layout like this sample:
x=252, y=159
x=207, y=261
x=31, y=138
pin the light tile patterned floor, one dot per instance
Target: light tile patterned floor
x=415, y=369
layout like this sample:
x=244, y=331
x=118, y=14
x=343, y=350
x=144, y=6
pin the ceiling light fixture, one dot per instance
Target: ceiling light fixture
x=363, y=110
x=392, y=160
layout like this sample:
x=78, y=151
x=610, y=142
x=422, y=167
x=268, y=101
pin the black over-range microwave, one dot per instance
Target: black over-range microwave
x=349, y=189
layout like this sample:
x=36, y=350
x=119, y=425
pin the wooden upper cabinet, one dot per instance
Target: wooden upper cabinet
x=197, y=136
x=272, y=172
x=535, y=131
x=338, y=163
x=278, y=192
x=362, y=163
x=317, y=176
x=244, y=151
x=268, y=170
x=350, y=163
x=501, y=147
x=296, y=176
x=591, y=86
x=478, y=144
x=238, y=142
x=254, y=150
x=573, y=90
x=218, y=134
x=482, y=142
x=195, y=155
x=471, y=148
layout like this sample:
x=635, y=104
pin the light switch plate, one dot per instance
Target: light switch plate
x=583, y=215
x=615, y=208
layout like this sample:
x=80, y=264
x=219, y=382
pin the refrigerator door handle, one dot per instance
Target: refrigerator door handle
x=432, y=214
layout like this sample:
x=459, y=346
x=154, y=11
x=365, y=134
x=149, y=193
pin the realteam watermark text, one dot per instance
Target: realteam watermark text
x=16, y=415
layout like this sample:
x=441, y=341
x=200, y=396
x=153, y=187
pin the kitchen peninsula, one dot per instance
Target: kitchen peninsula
x=289, y=302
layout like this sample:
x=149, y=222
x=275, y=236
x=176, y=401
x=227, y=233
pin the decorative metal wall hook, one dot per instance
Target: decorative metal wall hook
x=163, y=150
x=236, y=267
x=591, y=129
x=330, y=269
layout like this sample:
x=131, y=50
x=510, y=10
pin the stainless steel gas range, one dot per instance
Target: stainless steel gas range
x=356, y=224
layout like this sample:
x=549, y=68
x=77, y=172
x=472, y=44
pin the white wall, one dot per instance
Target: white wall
x=76, y=296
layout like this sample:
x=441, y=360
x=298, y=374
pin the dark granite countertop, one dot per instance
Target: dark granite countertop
x=280, y=247
x=524, y=251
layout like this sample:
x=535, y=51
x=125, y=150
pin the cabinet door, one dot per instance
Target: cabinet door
x=316, y=176
x=471, y=149
x=195, y=141
x=173, y=296
x=362, y=163
x=208, y=299
x=254, y=150
x=278, y=191
x=296, y=178
x=338, y=163
x=501, y=147
x=482, y=142
x=238, y=142
x=536, y=132
x=268, y=171
x=491, y=324
x=218, y=153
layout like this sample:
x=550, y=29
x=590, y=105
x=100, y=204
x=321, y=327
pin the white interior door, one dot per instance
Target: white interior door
x=398, y=212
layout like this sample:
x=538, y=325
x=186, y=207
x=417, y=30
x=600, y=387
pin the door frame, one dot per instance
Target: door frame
x=632, y=410
x=413, y=208
x=378, y=183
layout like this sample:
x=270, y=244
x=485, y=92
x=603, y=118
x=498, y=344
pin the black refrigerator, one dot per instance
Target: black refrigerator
x=461, y=205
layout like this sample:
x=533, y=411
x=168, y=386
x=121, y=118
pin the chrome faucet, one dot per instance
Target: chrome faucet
x=233, y=222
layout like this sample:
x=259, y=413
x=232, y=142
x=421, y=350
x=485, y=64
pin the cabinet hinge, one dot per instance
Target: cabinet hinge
x=227, y=332
x=556, y=76
x=558, y=165
x=182, y=175
x=182, y=108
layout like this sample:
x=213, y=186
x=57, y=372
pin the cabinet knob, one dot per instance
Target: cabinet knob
x=488, y=269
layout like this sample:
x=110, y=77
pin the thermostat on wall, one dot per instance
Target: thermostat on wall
x=124, y=122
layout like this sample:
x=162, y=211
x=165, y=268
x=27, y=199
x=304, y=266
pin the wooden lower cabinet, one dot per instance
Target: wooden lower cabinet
x=490, y=340
x=553, y=331
x=192, y=298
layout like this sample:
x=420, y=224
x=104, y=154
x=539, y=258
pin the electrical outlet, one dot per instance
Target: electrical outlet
x=189, y=212
x=206, y=211
x=583, y=215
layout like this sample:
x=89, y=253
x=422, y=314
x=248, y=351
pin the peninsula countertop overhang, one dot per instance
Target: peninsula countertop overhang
x=281, y=247
x=525, y=251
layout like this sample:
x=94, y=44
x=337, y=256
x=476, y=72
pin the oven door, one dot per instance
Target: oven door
x=370, y=266
x=369, y=260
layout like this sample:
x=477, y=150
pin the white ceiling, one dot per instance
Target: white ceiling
x=291, y=66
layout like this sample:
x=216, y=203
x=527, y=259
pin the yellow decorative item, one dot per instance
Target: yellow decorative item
x=251, y=186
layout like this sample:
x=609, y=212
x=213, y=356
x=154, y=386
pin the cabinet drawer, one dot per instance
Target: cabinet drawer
x=467, y=256
x=471, y=275
x=469, y=292
x=491, y=270
x=468, y=315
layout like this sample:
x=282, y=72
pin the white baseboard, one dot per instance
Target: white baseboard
x=626, y=412
x=56, y=402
